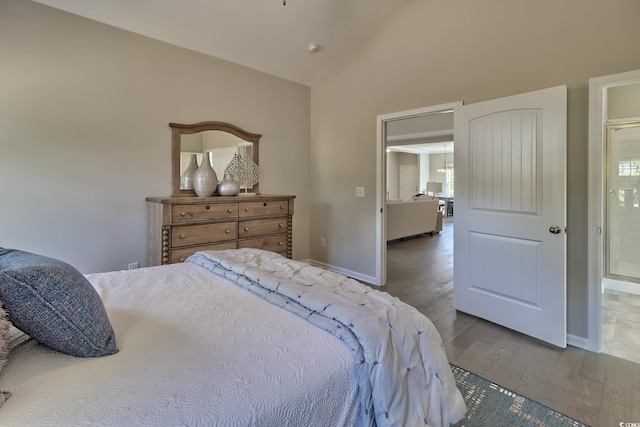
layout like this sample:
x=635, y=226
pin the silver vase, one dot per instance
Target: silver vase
x=186, y=180
x=228, y=186
x=205, y=179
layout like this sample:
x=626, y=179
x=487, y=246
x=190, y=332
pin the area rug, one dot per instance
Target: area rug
x=490, y=405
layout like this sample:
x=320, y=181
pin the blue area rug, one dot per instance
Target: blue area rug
x=490, y=405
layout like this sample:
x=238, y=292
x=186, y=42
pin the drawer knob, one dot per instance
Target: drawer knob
x=246, y=229
x=281, y=207
x=182, y=259
x=229, y=210
x=281, y=225
x=182, y=236
x=186, y=213
x=228, y=231
x=280, y=243
x=246, y=209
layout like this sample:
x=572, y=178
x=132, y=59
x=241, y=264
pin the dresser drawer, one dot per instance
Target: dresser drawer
x=182, y=225
x=277, y=243
x=189, y=235
x=203, y=212
x=179, y=255
x=277, y=207
x=262, y=227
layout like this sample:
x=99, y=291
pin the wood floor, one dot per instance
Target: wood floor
x=598, y=389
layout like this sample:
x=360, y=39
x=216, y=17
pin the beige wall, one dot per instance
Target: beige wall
x=623, y=101
x=84, y=135
x=441, y=51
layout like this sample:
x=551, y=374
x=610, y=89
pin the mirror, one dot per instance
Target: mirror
x=219, y=140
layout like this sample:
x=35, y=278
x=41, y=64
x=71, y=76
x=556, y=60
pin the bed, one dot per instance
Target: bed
x=238, y=338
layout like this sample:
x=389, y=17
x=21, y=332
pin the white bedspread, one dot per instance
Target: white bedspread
x=402, y=367
x=195, y=350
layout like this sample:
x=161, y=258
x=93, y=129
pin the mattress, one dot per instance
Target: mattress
x=194, y=350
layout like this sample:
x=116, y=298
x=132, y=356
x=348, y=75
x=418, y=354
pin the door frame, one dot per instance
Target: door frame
x=596, y=167
x=381, y=178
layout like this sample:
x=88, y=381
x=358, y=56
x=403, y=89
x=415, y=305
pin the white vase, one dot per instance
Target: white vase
x=186, y=180
x=205, y=179
x=228, y=186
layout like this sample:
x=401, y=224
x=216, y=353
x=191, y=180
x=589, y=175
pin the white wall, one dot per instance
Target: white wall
x=442, y=51
x=84, y=135
x=393, y=176
x=425, y=172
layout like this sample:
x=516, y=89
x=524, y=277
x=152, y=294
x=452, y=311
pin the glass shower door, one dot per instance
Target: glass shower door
x=622, y=252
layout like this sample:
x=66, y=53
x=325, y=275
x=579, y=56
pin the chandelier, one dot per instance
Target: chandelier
x=446, y=167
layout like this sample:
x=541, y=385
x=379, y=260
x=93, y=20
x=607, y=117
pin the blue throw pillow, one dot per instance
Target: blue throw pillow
x=55, y=304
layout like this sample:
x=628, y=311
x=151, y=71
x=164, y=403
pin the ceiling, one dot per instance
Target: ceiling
x=261, y=34
x=424, y=134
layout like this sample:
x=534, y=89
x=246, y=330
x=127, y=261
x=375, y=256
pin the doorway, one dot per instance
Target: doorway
x=622, y=207
x=531, y=146
x=384, y=140
x=614, y=109
x=621, y=281
x=409, y=181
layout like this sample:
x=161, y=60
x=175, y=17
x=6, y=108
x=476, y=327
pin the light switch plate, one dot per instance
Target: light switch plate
x=359, y=191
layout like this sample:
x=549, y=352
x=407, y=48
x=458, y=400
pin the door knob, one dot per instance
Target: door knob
x=554, y=229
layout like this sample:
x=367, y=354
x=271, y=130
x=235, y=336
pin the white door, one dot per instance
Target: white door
x=408, y=181
x=509, y=235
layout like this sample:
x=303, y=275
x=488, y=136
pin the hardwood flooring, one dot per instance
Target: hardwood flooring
x=598, y=389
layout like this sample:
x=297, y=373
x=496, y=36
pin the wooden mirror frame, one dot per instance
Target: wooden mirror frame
x=178, y=129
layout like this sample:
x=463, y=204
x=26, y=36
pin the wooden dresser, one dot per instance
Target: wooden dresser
x=181, y=226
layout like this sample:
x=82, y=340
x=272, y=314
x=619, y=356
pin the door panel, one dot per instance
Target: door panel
x=504, y=150
x=519, y=278
x=510, y=191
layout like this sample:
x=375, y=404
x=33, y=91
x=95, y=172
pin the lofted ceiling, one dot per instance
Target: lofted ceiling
x=261, y=34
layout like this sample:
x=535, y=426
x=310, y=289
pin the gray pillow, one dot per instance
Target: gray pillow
x=4, y=347
x=55, y=304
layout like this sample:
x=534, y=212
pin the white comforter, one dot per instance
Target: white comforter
x=403, y=371
x=194, y=350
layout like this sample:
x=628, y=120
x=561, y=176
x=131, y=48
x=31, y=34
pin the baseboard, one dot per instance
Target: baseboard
x=343, y=271
x=620, y=286
x=580, y=342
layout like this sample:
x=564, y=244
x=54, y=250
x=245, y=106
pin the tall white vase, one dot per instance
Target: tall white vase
x=186, y=180
x=205, y=179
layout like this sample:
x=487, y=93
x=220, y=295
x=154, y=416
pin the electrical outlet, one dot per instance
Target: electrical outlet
x=134, y=265
x=323, y=242
x=359, y=191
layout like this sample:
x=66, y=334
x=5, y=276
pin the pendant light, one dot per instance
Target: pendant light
x=446, y=166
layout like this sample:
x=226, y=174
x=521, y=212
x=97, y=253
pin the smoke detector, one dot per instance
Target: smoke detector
x=313, y=48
